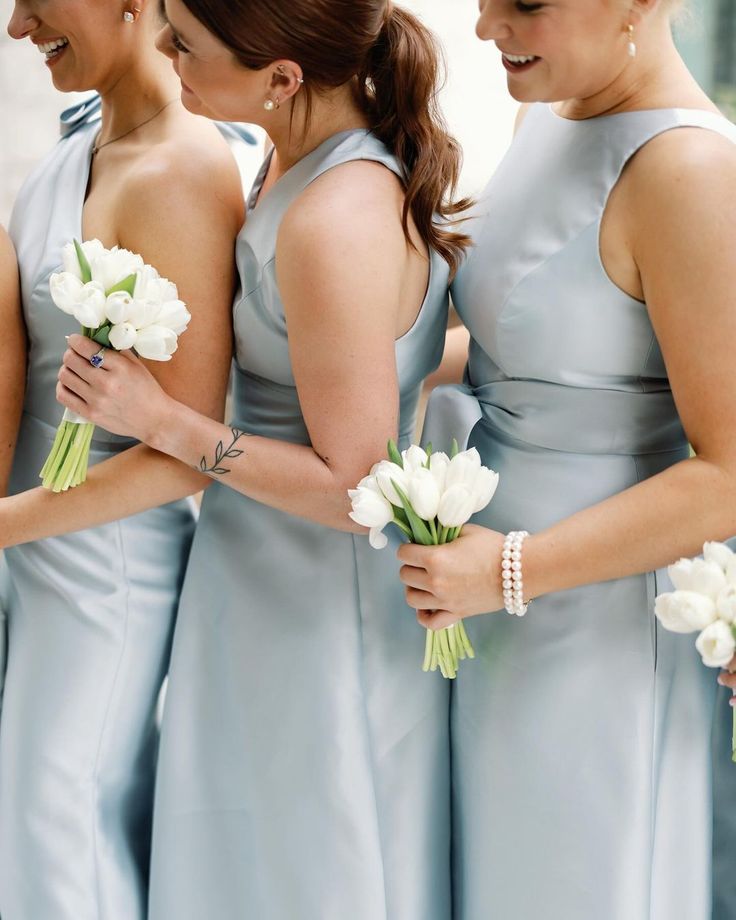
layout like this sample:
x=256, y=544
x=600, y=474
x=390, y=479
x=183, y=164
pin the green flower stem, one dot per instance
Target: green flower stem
x=463, y=636
x=402, y=526
x=428, y=646
x=433, y=531
x=443, y=534
x=66, y=466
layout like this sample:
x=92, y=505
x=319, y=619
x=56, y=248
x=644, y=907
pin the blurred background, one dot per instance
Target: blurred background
x=475, y=100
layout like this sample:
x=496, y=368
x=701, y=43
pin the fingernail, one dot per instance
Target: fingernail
x=721, y=680
x=66, y=337
x=732, y=701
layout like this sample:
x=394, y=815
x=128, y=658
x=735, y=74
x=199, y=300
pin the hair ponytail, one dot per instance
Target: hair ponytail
x=398, y=87
x=394, y=62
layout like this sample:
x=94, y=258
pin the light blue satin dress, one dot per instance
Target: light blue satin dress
x=304, y=768
x=581, y=732
x=90, y=621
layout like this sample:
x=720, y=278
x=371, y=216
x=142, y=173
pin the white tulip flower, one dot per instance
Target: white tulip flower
x=174, y=315
x=66, y=291
x=438, y=464
x=157, y=343
x=90, y=310
x=698, y=575
x=484, y=487
x=386, y=473
x=119, y=307
x=122, y=336
x=424, y=494
x=91, y=248
x=111, y=266
x=726, y=604
x=414, y=458
x=371, y=509
x=718, y=553
x=463, y=468
x=685, y=611
x=456, y=506
x=716, y=644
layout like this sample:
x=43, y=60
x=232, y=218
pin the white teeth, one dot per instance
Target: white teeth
x=519, y=58
x=48, y=48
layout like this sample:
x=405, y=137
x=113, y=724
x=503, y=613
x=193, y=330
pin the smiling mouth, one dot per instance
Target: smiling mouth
x=515, y=63
x=52, y=49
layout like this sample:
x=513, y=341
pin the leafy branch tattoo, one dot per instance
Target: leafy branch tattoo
x=223, y=453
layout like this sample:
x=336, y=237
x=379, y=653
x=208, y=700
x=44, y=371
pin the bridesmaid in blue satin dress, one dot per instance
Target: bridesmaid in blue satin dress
x=599, y=298
x=12, y=387
x=91, y=613
x=304, y=770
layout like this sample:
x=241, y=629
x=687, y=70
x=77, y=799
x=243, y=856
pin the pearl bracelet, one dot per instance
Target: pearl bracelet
x=513, y=584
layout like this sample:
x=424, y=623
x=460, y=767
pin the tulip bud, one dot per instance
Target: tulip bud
x=456, y=506
x=424, y=494
x=122, y=336
x=718, y=553
x=386, y=473
x=716, y=644
x=91, y=308
x=684, y=611
x=698, y=575
x=119, y=307
x=66, y=291
x=726, y=604
x=156, y=343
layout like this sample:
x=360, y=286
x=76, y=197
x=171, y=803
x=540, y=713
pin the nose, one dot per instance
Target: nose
x=22, y=22
x=163, y=43
x=492, y=25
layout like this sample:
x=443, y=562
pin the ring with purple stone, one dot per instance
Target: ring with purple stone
x=98, y=359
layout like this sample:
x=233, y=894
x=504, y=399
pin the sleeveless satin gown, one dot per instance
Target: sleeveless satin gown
x=90, y=620
x=581, y=733
x=304, y=770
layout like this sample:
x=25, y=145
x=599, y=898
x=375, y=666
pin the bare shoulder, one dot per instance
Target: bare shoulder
x=348, y=206
x=683, y=171
x=194, y=173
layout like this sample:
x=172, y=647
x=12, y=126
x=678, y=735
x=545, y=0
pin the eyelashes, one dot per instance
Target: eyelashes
x=528, y=7
x=176, y=42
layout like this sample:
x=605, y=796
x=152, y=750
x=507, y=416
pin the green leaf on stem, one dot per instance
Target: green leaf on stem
x=455, y=449
x=83, y=264
x=418, y=528
x=394, y=454
x=127, y=285
x=102, y=336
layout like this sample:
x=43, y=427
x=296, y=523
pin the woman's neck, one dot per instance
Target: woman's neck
x=296, y=138
x=136, y=93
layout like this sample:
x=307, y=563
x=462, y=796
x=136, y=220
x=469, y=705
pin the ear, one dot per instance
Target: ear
x=286, y=79
x=641, y=9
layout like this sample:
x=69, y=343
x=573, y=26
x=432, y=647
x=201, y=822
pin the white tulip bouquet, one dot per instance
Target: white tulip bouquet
x=704, y=601
x=429, y=496
x=120, y=302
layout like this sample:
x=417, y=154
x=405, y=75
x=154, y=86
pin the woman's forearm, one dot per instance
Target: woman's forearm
x=128, y=483
x=287, y=476
x=641, y=529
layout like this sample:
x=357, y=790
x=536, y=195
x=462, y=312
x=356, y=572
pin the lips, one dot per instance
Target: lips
x=516, y=63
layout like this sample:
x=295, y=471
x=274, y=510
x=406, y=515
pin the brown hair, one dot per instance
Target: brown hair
x=396, y=64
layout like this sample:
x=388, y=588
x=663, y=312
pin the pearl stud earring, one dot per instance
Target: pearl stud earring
x=269, y=105
x=128, y=16
x=632, y=43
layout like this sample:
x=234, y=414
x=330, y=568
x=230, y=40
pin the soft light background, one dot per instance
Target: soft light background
x=475, y=100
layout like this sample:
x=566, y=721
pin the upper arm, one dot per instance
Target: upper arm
x=340, y=280
x=12, y=356
x=191, y=211
x=683, y=242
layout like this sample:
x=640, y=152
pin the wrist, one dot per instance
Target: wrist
x=160, y=423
